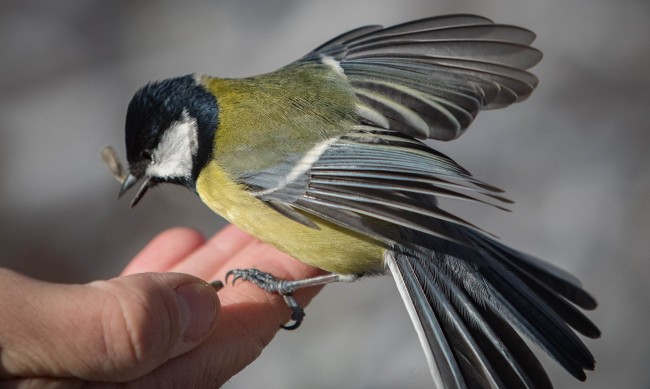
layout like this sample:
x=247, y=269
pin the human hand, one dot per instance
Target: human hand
x=133, y=331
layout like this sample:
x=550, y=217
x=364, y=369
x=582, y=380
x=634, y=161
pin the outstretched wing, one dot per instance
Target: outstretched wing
x=429, y=78
x=373, y=174
x=473, y=296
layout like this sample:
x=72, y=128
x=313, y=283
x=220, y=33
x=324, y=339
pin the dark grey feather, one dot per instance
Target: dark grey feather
x=477, y=372
x=411, y=186
x=488, y=31
x=429, y=78
x=445, y=369
x=291, y=213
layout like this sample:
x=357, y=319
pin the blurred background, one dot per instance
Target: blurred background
x=574, y=157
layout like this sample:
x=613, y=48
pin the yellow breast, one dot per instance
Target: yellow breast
x=330, y=248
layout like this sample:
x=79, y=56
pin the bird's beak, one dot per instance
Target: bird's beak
x=127, y=184
x=130, y=181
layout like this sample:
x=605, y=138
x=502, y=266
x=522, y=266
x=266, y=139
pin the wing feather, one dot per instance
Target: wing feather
x=430, y=78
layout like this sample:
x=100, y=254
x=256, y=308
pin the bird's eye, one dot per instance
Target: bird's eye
x=147, y=156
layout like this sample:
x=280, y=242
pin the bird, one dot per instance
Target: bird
x=330, y=159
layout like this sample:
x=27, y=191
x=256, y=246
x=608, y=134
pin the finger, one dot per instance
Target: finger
x=254, y=314
x=248, y=321
x=53, y=383
x=165, y=251
x=205, y=261
x=110, y=330
x=259, y=312
x=248, y=303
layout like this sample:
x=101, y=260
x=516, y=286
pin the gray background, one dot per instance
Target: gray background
x=574, y=157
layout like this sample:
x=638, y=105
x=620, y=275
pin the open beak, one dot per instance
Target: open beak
x=130, y=181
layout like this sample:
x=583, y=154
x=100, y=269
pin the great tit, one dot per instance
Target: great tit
x=325, y=160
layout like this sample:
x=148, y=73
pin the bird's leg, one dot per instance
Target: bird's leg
x=286, y=288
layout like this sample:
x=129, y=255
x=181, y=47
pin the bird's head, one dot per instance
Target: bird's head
x=169, y=132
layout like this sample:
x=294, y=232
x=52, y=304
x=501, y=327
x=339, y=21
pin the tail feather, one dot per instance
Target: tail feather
x=548, y=329
x=559, y=280
x=450, y=307
x=482, y=299
x=551, y=292
x=440, y=359
x=486, y=351
x=518, y=366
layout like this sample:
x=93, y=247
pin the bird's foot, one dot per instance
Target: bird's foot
x=286, y=288
x=272, y=284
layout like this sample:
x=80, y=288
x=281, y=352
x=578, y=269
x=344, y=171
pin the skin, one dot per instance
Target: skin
x=127, y=331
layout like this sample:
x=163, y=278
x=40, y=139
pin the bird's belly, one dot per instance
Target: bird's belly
x=331, y=248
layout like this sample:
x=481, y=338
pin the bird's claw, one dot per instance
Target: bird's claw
x=264, y=280
x=271, y=284
x=234, y=274
x=297, y=313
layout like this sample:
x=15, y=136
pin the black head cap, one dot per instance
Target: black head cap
x=157, y=108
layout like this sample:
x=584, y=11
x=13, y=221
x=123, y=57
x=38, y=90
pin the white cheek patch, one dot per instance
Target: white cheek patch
x=173, y=156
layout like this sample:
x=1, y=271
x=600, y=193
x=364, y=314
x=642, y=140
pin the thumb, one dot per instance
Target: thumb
x=114, y=330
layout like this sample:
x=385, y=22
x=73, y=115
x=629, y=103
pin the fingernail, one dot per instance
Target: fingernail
x=198, y=307
x=217, y=285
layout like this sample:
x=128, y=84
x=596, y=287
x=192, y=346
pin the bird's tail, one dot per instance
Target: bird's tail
x=470, y=305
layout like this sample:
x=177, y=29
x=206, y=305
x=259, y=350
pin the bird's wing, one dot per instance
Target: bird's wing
x=378, y=173
x=429, y=78
x=479, y=293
